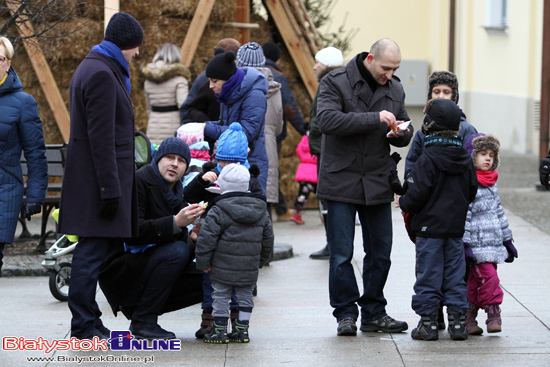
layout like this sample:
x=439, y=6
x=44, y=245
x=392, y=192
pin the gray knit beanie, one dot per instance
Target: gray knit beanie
x=446, y=78
x=251, y=54
x=234, y=177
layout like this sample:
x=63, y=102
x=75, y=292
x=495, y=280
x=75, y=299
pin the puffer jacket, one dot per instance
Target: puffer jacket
x=246, y=105
x=487, y=227
x=166, y=86
x=307, y=169
x=236, y=239
x=20, y=131
x=273, y=127
x=355, y=152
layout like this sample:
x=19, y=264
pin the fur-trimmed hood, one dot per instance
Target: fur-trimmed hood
x=160, y=71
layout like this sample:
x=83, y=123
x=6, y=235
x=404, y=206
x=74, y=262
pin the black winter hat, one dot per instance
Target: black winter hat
x=271, y=51
x=221, y=66
x=173, y=145
x=446, y=78
x=441, y=115
x=124, y=31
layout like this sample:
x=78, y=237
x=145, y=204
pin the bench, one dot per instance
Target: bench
x=55, y=155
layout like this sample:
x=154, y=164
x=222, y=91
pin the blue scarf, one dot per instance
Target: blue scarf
x=113, y=51
x=230, y=86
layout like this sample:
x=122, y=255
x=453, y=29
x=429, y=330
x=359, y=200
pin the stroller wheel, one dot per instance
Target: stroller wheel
x=59, y=282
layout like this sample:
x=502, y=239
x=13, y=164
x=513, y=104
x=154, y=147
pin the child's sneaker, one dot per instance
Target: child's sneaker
x=218, y=335
x=296, y=217
x=239, y=334
x=457, y=325
x=427, y=328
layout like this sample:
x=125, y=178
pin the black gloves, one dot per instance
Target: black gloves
x=396, y=157
x=29, y=209
x=469, y=255
x=395, y=184
x=109, y=208
x=512, y=252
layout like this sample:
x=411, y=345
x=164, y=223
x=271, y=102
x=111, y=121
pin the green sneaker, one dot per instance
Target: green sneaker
x=239, y=334
x=218, y=335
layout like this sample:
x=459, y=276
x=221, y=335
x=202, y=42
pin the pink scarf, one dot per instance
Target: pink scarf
x=487, y=178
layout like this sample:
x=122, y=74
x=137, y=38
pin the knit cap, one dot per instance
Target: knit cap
x=446, y=78
x=234, y=177
x=251, y=54
x=124, y=31
x=330, y=56
x=272, y=51
x=173, y=145
x=233, y=145
x=441, y=115
x=478, y=142
x=222, y=66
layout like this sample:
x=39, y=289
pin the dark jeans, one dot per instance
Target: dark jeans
x=163, y=268
x=376, y=224
x=440, y=269
x=2, y=244
x=88, y=256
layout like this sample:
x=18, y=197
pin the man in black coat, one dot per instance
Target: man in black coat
x=147, y=276
x=98, y=198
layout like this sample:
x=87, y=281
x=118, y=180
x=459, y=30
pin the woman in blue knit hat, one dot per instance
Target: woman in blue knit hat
x=242, y=96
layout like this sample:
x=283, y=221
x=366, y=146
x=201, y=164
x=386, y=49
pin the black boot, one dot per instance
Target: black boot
x=440, y=319
x=321, y=254
x=427, y=328
x=457, y=325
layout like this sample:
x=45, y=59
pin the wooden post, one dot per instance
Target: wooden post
x=196, y=29
x=110, y=7
x=299, y=49
x=545, y=83
x=242, y=15
x=45, y=76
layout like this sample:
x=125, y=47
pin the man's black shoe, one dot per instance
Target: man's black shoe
x=148, y=331
x=321, y=254
x=347, y=327
x=385, y=324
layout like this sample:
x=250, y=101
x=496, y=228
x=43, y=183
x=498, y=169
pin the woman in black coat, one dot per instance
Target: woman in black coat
x=153, y=273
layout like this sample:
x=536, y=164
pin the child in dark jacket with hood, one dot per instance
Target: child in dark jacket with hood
x=441, y=185
x=236, y=240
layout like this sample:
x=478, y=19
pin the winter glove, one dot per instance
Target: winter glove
x=396, y=157
x=29, y=209
x=395, y=184
x=469, y=255
x=512, y=252
x=109, y=208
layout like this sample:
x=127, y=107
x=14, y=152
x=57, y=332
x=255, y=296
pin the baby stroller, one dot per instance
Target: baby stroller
x=60, y=272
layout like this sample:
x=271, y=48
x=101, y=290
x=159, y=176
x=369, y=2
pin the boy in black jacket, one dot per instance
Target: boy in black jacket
x=441, y=185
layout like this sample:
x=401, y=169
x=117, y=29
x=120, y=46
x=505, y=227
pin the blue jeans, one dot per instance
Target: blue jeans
x=440, y=269
x=376, y=225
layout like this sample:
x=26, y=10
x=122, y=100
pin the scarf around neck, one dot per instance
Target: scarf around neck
x=113, y=51
x=487, y=178
x=230, y=86
x=174, y=196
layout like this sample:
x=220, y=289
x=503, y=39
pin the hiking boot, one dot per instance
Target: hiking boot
x=457, y=325
x=296, y=217
x=494, y=321
x=385, y=324
x=206, y=324
x=440, y=319
x=239, y=332
x=471, y=324
x=347, y=327
x=321, y=254
x=427, y=328
x=218, y=335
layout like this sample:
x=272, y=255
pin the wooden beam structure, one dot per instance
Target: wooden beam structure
x=301, y=51
x=242, y=15
x=45, y=77
x=191, y=42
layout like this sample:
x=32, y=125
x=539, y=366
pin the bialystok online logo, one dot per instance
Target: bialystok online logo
x=120, y=340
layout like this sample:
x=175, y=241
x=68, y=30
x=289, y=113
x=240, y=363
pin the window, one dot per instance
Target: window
x=497, y=15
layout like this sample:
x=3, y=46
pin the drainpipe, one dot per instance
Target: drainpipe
x=545, y=80
x=452, y=27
